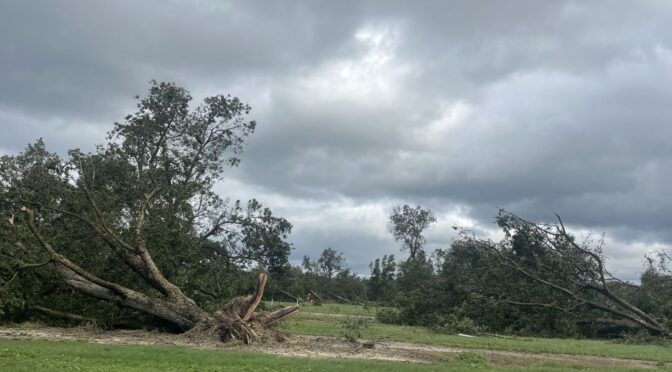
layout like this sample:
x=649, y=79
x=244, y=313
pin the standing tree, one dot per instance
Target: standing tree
x=129, y=221
x=330, y=262
x=309, y=266
x=407, y=225
x=381, y=281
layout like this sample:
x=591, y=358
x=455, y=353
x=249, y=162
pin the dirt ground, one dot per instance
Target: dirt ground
x=322, y=347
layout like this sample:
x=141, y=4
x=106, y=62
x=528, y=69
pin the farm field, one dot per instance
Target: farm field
x=316, y=343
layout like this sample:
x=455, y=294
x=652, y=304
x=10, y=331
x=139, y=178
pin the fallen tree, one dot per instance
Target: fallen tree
x=315, y=295
x=573, y=274
x=96, y=222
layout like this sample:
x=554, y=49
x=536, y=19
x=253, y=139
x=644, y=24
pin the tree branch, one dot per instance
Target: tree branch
x=255, y=299
x=535, y=304
x=62, y=314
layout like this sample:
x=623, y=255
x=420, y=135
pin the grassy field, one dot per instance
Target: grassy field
x=332, y=326
x=328, y=320
x=81, y=356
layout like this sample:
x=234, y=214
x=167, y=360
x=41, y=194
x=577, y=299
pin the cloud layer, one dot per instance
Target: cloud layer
x=460, y=106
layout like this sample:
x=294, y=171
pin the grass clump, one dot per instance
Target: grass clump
x=351, y=328
x=472, y=359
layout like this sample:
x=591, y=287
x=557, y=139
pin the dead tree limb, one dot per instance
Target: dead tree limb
x=296, y=298
x=62, y=314
x=341, y=298
x=315, y=295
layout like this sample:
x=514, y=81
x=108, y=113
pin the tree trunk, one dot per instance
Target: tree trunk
x=236, y=320
x=296, y=298
x=341, y=298
x=315, y=295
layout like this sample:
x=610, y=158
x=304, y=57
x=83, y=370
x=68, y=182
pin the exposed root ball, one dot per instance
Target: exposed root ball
x=238, y=321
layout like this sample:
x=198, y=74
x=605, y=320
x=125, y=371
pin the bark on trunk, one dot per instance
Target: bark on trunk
x=236, y=320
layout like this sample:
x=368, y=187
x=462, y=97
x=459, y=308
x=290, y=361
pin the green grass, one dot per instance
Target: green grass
x=331, y=326
x=325, y=320
x=82, y=356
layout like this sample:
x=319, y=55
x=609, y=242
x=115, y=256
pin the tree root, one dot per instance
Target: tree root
x=237, y=320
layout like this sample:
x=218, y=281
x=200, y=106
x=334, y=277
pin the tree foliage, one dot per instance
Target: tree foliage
x=381, y=284
x=137, y=221
x=330, y=262
x=407, y=224
x=137, y=224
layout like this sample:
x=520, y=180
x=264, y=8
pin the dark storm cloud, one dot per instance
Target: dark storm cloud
x=83, y=60
x=462, y=106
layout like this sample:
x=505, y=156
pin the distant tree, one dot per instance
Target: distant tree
x=407, y=225
x=330, y=276
x=662, y=261
x=538, y=280
x=654, y=293
x=416, y=283
x=330, y=262
x=309, y=266
x=381, y=281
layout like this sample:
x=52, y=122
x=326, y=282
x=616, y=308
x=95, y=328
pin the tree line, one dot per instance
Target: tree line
x=538, y=280
x=134, y=235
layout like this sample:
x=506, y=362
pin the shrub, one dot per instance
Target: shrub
x=451, y=323
x=351, y=328
x=388, y=316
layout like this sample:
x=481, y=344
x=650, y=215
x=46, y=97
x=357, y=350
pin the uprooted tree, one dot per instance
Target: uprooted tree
x=137, y=221
x=548, y=269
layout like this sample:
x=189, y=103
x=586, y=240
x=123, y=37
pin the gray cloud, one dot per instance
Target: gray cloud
x=461, y=106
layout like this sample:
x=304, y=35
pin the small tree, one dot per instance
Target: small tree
x=330, y=262
x=407, y=225
x=381, y=281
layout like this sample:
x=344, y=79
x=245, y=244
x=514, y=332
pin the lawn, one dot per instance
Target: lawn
x=327, y=320
x=332, y=326
x=81, y=356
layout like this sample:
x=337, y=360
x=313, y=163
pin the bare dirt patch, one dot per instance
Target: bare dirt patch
x=323, y=348
x=334, y=316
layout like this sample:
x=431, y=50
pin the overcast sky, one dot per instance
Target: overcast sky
x=459, y=106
